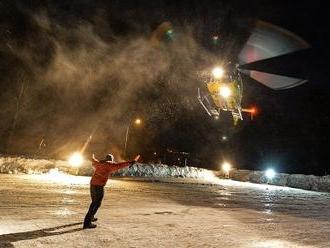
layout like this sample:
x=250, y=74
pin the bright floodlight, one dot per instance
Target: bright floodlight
x=76, y=159
x=225, y=91
x=226, y=167
x=270, y=174
x=138, y=121
x=218, y=72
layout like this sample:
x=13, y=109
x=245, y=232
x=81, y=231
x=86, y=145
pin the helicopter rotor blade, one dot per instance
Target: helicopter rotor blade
x=298, y=64
x=268, y=41
x=273, y=81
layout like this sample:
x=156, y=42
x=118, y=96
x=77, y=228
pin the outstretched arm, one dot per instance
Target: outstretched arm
x=119, y=166
x=94, y=160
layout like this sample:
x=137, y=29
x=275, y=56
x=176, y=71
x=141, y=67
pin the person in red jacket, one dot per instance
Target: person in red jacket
x=103, y=169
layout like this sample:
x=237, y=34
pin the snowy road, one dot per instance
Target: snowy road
x=39, y=211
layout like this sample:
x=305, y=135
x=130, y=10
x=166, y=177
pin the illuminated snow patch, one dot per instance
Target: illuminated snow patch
x=54, y=175
x=277, y=244
x=64, y=212
x=209, y=176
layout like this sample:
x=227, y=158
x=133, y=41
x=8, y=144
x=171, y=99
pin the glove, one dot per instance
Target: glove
x=136, y=158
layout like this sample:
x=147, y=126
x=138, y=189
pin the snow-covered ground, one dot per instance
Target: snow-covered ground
x=47, y=211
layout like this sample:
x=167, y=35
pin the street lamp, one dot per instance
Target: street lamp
x=137, y=121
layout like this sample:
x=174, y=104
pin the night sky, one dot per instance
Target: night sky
x=69, y=69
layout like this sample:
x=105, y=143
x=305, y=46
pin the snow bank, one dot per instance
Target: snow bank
x=14, y=165
x=308, y=182
x=21, y=164
x=161, y=170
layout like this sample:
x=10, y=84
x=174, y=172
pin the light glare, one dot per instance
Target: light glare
x=76, y=159
x=270, y=173
x=218, y=72
x=225, y=92
x=226, y=167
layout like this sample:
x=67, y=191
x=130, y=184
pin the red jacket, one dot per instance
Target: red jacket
x=104, y=169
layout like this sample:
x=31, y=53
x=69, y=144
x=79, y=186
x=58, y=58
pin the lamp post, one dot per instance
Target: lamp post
x=137, y=121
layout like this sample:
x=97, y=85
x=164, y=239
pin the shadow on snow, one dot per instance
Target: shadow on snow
x=7, y=240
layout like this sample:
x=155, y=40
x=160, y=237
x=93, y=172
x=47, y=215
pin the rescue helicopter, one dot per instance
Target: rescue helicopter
x=225, y=92
x=223, y=84
x=225, y=88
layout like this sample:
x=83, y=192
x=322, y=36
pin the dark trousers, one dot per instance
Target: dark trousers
x=97, y=193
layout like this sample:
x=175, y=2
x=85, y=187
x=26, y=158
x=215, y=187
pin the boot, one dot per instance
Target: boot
x=89, y=225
